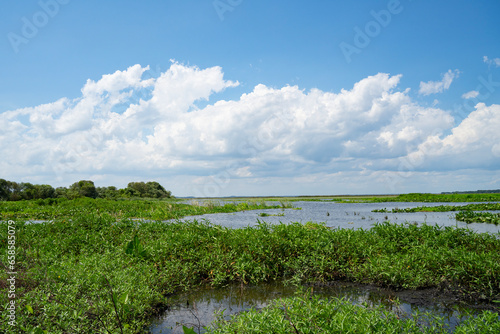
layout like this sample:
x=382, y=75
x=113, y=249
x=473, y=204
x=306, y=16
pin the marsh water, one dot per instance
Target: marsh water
x=345, y=215
x=199, y=308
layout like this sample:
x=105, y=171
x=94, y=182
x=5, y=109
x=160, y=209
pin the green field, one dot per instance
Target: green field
x=47, y=209
x=94, y=268
x=413, y=197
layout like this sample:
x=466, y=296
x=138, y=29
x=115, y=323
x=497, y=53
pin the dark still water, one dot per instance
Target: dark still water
x=199, y=308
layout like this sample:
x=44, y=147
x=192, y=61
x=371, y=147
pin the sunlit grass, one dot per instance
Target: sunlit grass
x=94, y=273
x=143, y=208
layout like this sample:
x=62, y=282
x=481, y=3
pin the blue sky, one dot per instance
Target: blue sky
x=235, y=97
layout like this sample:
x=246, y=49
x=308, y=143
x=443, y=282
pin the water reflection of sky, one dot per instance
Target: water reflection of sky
x=198, y=308
x=346, y=215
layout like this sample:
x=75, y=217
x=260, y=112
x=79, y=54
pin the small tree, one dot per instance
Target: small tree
x=85, y=188
x=15, y=191
x=156, y=190
x=61, y=192
x=44, y=191
x=108, y=192
x=138, y=188
x=150, y=189
x=4, y=190
x=27, y=190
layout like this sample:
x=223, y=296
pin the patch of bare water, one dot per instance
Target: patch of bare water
x=345, y=215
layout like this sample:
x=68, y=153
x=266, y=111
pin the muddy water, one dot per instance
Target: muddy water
x=199, y=308
x=346, y=215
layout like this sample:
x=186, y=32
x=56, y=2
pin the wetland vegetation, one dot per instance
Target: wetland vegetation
x=478, y=217
x=412, y=197
x=311, y=315
x=467, y=212
x=445, y=208
x=151, y=209
x=91, y=266
x=419, y=197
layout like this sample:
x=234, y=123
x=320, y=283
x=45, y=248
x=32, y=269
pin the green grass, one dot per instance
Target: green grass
x=147, y=209
x=446, y=208
x=91, y=272
x=422, y=197
x=334, y=198
x=478, y=217
x=466, y=213
x=265, y=214
x=412, y=197
x=311, y=315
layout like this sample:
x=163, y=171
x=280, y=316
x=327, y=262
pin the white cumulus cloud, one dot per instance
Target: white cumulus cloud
x=470, y=95
x=472, y=144
x=433, y=87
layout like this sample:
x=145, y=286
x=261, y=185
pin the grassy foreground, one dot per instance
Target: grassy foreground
x=96, y=274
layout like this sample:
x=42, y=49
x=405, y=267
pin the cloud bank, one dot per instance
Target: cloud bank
x=126, y=127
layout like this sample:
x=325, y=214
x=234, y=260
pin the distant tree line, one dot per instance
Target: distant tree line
x=13, y=191
x=495, y=191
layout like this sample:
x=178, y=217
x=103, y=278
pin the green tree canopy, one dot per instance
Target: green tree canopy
x=13, y=191
x=4, y=190
x=85, y=188
x=150, y=189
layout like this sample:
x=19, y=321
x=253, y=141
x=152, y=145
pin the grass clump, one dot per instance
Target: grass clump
x=305, y=314
x=478, y=217
x=446, y=208
x=467, y=212
x=265, y=214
